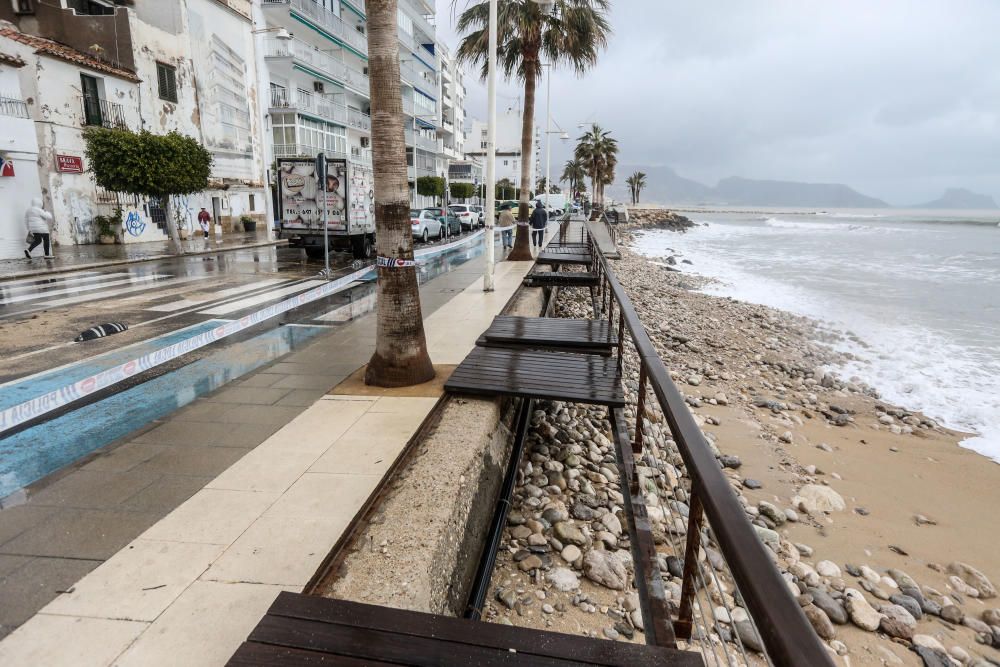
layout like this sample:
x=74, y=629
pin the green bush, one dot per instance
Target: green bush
x=462, y=190
x=430, y=186
x=143, y=163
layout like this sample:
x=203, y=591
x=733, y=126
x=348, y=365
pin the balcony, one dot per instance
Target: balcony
x=416, y=10
x=102, y=113
x=356, y=4
x=303, y=150
x=321, y=107
x=327, y=20
x=361, y=155
x=13, y=107
x=320, y=61
x=423, y=143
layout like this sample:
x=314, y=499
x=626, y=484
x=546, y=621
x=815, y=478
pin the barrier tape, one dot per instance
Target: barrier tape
x=389, y=262
x=53, y=400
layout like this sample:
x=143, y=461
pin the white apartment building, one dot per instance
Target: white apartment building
x=316, y=73
x=508, y=149
x=185, y=66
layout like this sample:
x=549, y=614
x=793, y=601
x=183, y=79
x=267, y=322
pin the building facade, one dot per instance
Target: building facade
x=508, y=148
x=19, y=182
x=187, y=66
x=316, y=77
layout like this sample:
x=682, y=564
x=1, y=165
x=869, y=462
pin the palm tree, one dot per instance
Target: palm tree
x=599, y=154
x=574, y=171
x=574, y=32
x=400, y=357
x=636, y=182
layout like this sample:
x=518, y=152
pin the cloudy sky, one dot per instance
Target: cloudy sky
x=897, y=98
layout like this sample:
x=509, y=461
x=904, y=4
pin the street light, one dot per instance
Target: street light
x=491, y=147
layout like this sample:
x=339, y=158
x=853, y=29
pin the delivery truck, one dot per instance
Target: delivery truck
x=350, y=205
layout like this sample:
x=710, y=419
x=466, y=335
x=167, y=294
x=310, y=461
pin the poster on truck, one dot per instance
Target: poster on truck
x=362, y=200
x=300, y=194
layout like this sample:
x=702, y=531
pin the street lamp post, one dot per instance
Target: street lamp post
x=491, y=148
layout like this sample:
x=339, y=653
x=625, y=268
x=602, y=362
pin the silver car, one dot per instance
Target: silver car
x=425, y=225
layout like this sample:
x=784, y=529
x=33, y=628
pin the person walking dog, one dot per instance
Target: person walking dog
x=539, y=221
x=36, y=221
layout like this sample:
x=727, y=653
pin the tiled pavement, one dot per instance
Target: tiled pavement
x=201, y=575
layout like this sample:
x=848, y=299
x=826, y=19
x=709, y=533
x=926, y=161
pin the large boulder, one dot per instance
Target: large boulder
x=861, y=613
x=605, y=569
x=973, y=578
x=815, y=498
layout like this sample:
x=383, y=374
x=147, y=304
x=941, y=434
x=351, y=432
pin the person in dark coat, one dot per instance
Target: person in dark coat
x=539, y=221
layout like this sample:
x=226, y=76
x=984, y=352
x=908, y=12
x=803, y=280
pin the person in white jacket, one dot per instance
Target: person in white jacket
x=37, y=220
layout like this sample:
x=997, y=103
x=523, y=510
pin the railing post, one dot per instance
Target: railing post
x=640, y=408
x=621, y=341
x=685, y=616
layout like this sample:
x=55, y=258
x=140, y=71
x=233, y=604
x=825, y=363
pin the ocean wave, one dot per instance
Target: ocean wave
x=816, y=226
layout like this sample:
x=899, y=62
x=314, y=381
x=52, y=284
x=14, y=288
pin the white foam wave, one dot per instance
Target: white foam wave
x=778, y=223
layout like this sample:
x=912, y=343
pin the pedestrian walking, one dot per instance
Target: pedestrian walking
x=36, y=222
x=507, y=220
x=539, y=221
x=205, y=220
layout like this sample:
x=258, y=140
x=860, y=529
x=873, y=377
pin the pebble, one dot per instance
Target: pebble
x=907, y=603
x=563, y=579
x=827, y=568
x=973, y=578
x=897, y=621
x=861, y=613
x=605, y=569
x=548, y=609
x=820, y=621
x=568, y=533
x=833, y=609
x=751, y=483
x=748, y=636
x=932, y=657
x=952, y=614
x=729, y=461
x=815, y=498
x=571, y=553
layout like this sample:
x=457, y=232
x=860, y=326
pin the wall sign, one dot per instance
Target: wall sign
x=6, y=167
x=69, y=164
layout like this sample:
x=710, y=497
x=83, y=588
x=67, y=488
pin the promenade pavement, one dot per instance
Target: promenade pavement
x=191, y=528
x=94, y=256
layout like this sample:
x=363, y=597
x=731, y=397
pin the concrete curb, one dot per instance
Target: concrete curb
x=136, y=260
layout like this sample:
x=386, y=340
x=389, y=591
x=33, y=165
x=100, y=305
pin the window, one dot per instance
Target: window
x=93, y=111
x=505, y=163
x=24, y=6
x=166, y=81
x=252, y=206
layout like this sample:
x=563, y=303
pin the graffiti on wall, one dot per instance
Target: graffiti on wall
x=133, y=223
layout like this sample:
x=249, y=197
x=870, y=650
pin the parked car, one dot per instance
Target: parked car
x=425, y=224
x=452, y=225
x=466, y=216
x=482, y=215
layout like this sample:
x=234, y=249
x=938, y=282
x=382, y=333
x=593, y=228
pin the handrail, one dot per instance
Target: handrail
x=787, y=635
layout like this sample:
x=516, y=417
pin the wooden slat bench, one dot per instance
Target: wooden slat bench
x=306, y=630
x=561, y=279
x=560, y=376
x=559, y=333
x=557, y=258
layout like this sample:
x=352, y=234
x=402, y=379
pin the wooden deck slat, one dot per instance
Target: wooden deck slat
x=298, y=628
x=561, y=279
x=550, y=332
x=546, y=257
x=539, y=374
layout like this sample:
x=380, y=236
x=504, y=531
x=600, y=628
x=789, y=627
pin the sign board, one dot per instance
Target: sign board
x=6, y=167
x=300, y=194
x=69, y=164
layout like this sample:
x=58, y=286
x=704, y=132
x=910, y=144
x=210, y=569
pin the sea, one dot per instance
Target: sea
x=919, y=289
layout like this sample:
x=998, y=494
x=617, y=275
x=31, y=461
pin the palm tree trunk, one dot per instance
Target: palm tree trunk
x=522, y=248
x=400, y=357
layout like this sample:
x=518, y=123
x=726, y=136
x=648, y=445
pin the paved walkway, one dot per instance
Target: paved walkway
x=92, y=256
x=190, y=587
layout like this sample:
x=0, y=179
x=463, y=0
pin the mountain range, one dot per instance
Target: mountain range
x=665, y=186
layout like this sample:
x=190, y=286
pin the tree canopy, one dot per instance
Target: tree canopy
x=143, y=163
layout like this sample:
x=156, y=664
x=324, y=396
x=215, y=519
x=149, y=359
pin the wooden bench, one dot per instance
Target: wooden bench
x=557, y=333
x=305, y=630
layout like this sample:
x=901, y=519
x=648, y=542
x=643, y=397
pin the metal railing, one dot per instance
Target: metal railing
x=102, y=112
x=327, y=20
x=714, y=514
x=304, y=150
x=15, y=108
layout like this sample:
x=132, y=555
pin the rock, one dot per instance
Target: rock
x=903, y=579
x=563, y=579
x=554, y=515
x=728, y=461
x=610, y=633
x=833, y=609
x=959, y=653
x=532, y=562
x=637, y=621
x=816, y=498
x=927, y=642
x=571, y=553
x=963, y=588
x=933, y=658
x=861, y=613
x=721, y=399
x=839, y=647
x=974, y=578
x=791, y=515
x=977, y=626
x=603, y=568
x=748, y=636
x=612, y=523
x=568, y=533
x=786, y=437
x=694, y=380
x=827, y=568
x=991, y=617
x=897, y=621
x=870, y=574
x=952, y=614
x=548, y=609
x=675, y=566
x=909, y=604
x=751, y=483
x=766, y=534
x=507, y=598
x=582, y=512
x=772, y=513
x=887, y=656
x=820, y=621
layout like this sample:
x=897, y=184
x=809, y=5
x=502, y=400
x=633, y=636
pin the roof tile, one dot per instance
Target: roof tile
x=56, y=50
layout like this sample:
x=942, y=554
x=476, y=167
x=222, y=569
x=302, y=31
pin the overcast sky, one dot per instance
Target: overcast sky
x=897, y=98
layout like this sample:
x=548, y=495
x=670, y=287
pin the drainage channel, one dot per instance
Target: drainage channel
x=71, y=427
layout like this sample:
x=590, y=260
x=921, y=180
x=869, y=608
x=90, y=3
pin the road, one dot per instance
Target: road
x=183, y=300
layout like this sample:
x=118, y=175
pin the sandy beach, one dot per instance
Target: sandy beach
x=880, y=521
